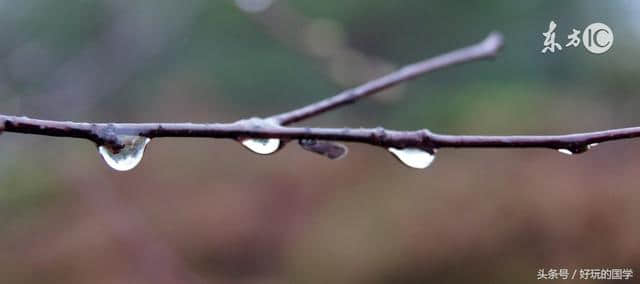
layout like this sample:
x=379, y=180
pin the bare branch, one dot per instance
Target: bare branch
x=109, y=133
x=106, y=133
x=487, y=48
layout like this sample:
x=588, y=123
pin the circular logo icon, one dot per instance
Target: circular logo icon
x=597, y=38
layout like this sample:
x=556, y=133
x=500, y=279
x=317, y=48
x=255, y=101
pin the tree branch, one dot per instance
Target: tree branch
x=488, y=48
x=109, y=133
x=106, y=133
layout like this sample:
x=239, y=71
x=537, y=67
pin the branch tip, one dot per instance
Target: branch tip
x=487, y=48
x=493, y=43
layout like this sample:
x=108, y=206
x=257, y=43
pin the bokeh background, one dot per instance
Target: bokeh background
x=209, y=211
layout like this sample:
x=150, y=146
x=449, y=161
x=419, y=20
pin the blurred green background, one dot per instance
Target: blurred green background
x=208, y=211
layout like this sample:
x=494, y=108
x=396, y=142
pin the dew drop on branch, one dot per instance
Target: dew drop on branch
x=331, y=150
x=414, y=157
x=262, y=146
x=128, y=157
x=565, y=151
x=577, y=149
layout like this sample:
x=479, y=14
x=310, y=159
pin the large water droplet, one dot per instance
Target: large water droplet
x=262, y=146
x=414, y=157
x=129, y=156
x=331, y=150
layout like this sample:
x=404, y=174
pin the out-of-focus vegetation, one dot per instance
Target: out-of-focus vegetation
x=210, y=208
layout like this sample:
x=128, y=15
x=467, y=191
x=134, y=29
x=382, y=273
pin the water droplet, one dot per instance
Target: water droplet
x=579, y=149
x=262, y=146
x=128, y=157
x=331, y=150
x=414, y=157
x=565, y=151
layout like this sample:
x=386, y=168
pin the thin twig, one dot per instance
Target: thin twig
x=102, y=133
x=488, y=48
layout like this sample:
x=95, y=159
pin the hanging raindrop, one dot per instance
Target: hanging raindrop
x=414, y=157
x=262, y=146
x=565, y=151
x=128, y=157
x=331, y=150
x=577, y=149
